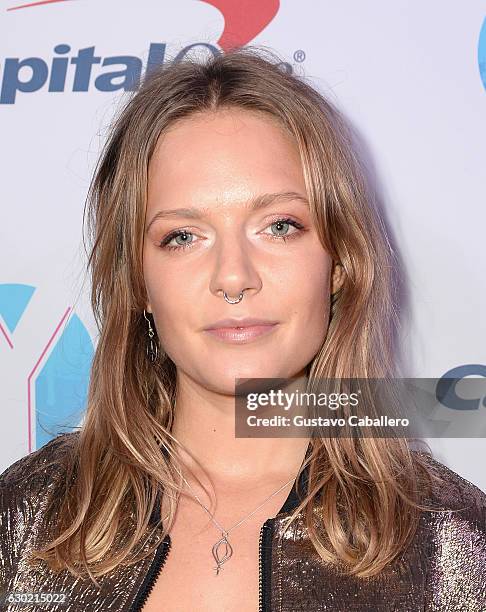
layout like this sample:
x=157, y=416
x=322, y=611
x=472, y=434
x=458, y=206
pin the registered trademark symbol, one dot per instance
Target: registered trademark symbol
x=299, y=55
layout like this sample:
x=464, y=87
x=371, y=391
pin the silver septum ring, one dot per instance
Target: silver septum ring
x=225, y=295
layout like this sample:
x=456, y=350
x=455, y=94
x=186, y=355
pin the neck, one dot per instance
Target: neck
x=204, y=423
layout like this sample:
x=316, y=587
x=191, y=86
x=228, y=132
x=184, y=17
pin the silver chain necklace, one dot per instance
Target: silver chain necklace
x=223, y=541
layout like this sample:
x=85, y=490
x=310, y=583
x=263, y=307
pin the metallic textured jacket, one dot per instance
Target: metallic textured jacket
x=444, y=568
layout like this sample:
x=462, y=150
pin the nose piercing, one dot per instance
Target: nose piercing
x=240, y=297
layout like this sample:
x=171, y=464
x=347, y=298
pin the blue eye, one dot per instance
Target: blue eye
x=185, y=244
x=288, y=222
x=173, y=236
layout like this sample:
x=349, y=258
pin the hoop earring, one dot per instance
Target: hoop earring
x=152, y=349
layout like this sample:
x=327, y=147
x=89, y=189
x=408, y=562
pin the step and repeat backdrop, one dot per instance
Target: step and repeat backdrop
x=409, y=76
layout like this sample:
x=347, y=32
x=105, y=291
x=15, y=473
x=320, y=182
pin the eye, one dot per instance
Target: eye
x=282, y=225
x=183, y=239
x=183, y=235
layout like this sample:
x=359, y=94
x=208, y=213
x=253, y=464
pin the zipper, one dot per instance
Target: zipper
x=153, y=573
x=260, y=589
x=264, y=570
x=264, y=566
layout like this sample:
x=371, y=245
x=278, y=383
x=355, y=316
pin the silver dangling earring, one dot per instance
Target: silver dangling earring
x=240, y=297
x=152, y=349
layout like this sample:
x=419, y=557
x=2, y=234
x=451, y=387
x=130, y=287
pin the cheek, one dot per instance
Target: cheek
x=164, y=285
x=312, y=295
x=170, y=310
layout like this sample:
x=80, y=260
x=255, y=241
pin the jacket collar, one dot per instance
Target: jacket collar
x=294, y=497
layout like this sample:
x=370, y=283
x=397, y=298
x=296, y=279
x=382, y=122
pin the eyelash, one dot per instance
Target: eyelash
x=164, y=243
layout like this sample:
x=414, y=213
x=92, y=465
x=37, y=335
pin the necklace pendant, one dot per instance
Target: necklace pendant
x=228, y=551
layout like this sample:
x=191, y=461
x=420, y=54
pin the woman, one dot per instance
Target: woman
x=229, y=189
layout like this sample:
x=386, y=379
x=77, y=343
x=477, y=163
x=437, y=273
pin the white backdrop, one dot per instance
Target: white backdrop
x=410, y=76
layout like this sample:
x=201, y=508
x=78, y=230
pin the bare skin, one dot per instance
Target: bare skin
x=219, y=162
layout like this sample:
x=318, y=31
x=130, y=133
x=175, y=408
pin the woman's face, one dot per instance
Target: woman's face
x=216, y=164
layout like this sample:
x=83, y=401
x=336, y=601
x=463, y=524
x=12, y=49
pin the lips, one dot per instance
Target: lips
x=242, y=334
x=245, y=322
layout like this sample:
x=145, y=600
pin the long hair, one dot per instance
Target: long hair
x=373, y=489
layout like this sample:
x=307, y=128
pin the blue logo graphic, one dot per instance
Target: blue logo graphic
x=58, y=380
x=482, y=53
x=53, y=73
x=446, y=387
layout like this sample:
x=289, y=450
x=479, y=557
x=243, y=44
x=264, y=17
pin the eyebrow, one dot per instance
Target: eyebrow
x=257, y=203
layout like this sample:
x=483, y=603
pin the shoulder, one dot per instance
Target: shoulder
x=25, y=488
x=457, y=545
x=31, y=473
x=42, y=462
x=452, y=492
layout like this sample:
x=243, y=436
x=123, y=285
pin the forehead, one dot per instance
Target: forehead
x=213, y=157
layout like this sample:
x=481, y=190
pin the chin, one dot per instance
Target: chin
x=253, y=370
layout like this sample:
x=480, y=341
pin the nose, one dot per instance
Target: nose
x=234, y=269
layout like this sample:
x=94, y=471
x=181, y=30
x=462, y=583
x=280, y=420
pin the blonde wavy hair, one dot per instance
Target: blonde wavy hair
x=373, y=488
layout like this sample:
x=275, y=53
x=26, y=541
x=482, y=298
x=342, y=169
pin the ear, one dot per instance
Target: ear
x=148, y=308
x=338, y=277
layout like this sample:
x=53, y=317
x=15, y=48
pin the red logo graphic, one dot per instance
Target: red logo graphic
x=243, y=19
